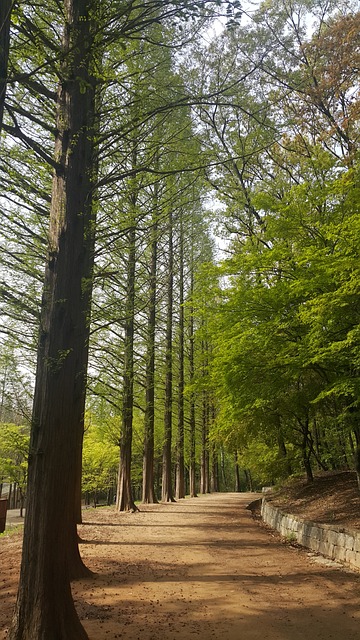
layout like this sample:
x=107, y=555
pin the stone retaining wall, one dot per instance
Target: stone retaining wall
x=334, y=542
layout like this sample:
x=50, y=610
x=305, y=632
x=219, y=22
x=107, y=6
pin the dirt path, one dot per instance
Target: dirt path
x=201, y=568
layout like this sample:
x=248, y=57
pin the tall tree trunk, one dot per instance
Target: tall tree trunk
x=10, y=496
x=342, y=446
x=356, y=431
x=166, y=490
x=222, y=462
x=192, y=425
x=180, y=464
x=148, y=493
x=5, y=13
x=282, y=446
x=306, y=452
x=45, y=607
x=78, y=481
x=249, y=481
x=214, y=483
x=125, y=501
x=2, y=402
x=204, y=470
x=22, y=502
x=204, y=429
x=237, y=472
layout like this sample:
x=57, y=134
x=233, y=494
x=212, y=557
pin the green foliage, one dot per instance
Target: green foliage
x=266, y=464
x=285, y=316
x=14, y=449
x=100, y=458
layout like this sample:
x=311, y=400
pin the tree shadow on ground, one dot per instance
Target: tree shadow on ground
x=233, y=607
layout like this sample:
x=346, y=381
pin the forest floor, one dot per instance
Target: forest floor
x=202, y=568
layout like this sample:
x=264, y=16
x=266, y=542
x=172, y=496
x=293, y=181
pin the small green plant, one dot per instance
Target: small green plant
x=291, y=538
x=11, y=531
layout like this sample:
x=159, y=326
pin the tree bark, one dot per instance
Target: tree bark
x=282, y=446
x=148, y=492
x=180, y=464
x=214, y=470
x=237, y=473
x=5, y=14
x=45, y=607
x=166, y=489
x=204, y=467
x=356, y=431
x=10, y=496
x=249, y=481
x=305, y=450
x=222, y=465
x=78, y=482
x=125, y=501
x=192, y=418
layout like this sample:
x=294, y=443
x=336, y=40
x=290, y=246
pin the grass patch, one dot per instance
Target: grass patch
x=12, y=531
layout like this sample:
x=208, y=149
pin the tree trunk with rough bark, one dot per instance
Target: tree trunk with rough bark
x=148, y=492
x=305, y=449
x=356, y=431
x=45, y=607
x=125, y=501
x=180, y=464
x=249, y=481
x=214, y=482
x=78, y=482
x=192, y=421
x=166, y=489
x=237, y=473
x=282, y=446
x=204, y=469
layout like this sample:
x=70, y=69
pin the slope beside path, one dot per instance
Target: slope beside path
x=199, y=568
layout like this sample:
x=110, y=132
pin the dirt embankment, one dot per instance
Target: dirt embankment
x=333, y=498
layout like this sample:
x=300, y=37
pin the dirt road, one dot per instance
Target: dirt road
x=202, y=568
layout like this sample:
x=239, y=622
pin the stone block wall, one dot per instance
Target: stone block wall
x=334, y=542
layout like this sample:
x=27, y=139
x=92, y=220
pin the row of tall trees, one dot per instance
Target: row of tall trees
x=86, y=126
x=158, y=239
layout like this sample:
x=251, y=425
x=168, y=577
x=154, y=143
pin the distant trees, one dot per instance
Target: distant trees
x=100, y=464
x=14, y=449
x=151, y=237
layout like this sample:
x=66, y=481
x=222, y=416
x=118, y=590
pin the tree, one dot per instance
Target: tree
x=167, y=488
x=44, y=605
x=180, y=443
x=192, y=416
x=148, y=495
x=125, y=501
